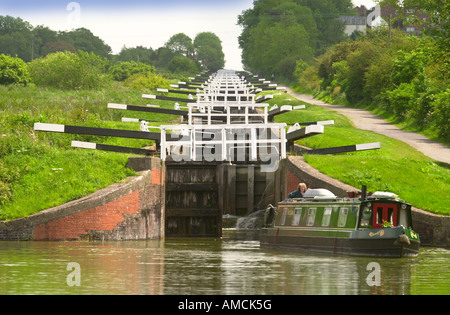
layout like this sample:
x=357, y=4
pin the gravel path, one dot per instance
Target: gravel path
x=363, y=119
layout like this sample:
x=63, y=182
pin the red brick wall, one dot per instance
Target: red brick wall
x=292, y=182
x=102, y=218
x=130, y=210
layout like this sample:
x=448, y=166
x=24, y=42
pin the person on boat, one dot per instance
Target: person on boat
x=302, y=188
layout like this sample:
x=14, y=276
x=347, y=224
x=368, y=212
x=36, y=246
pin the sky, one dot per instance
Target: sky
x=147, y=23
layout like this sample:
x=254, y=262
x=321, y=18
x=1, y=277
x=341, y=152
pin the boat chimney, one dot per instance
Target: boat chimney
x=364, y=192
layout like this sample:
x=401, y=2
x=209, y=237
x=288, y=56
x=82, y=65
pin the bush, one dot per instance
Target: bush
x=13, y=71
x=182, y=65
x=146, y=83
x=66, y=70
x=442, y=114
x=123, y=70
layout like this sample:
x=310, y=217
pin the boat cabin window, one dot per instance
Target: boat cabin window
x=384, y=213
x=342, y=220
x=311, y=216
x=327, y=216
x=404, y=216
x=283, y=218
x=297, y=216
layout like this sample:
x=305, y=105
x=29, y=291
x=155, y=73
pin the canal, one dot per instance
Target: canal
x=233, y=265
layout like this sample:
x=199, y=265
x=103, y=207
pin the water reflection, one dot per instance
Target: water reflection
x=234, y=265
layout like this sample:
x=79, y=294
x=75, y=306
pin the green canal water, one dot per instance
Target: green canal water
x=233, y=265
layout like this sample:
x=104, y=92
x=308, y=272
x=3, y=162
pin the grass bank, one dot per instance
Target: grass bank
x=397, y=167
x=40, y=170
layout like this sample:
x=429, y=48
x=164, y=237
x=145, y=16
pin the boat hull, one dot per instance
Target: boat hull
x=389, y=242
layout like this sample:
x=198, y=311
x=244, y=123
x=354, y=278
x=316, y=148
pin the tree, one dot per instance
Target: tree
x=182, y=65
x=282, y=31
x=16, y=38
x=83, y=39
x=433, y=15
x=181, y=45
x=275, y=49
x=209, y=51
x=137, y=54
x=52, y=47
x=42, y=36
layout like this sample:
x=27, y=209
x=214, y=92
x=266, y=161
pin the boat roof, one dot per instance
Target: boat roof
x=319, y=193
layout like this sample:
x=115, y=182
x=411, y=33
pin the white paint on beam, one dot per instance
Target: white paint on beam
x=49, y=127
x=134, y=120
x=368, y=146
x=326, y=122
x=117, y=106
x=84, y=145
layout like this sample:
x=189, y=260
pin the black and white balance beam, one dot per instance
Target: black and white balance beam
x=283, y=110
x=149, y=109
x=185, y=92
x=261, y=99
x=167, y=98
x=110, y=148
x=304, y=133
x=118, y=133
x=345, y=149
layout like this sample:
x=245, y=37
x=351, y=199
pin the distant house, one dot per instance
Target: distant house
x=354, y=23
x=388, y=16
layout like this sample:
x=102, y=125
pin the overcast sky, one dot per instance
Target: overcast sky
x=148, y=23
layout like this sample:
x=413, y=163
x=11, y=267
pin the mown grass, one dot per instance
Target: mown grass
x=40, y=170
x=396, y=167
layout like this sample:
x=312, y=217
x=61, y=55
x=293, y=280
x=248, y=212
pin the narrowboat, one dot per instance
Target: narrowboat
x=379, y=225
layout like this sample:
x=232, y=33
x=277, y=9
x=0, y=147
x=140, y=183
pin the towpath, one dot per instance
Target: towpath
x=363, y=119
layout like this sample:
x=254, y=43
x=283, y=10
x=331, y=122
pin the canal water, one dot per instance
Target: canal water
x=233, y=265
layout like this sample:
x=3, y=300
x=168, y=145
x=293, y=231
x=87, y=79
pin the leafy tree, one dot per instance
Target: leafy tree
x=182, y=65
x=16, y=38
x=52, y=47
x=281, y=31
x=275, y=49
x=208, y=51
x=164, y=56
x=181, y=45
x=42, y=37
x=83, y=39
x=138, y=54
x=433, y=15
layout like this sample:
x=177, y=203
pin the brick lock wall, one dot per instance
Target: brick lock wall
x=292, y=182
x=132, y=210
x=102, y=218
